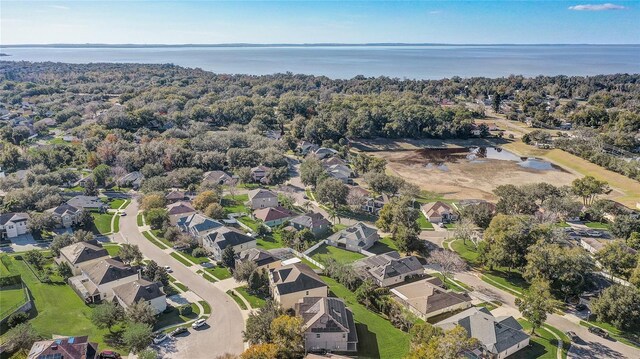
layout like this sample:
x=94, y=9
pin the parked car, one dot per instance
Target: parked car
x=180, y=247
x=581, y=306
x=109, y=354
x=160, y=338
x=178, y=331
x=123, y=214
x=599, y=332
x=573, y=336
x=198, y=323
x=168, y=269
x=594, y=234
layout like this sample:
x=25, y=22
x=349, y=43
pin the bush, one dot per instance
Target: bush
x=17, y=318
x=199, y=252
x=10, y=280
x=185, y=310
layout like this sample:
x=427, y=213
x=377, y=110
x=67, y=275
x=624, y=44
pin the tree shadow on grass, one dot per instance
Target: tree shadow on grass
x=114, y=339
x=534, y=350
x=367, y=342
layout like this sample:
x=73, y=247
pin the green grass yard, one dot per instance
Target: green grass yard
x=424, y=224
x=631, y=339
x=249, y=222
x=466, y=251
x=11, y=298
x=139, y=219
x=254, y=301
x=112, y=248
x=158, y=244
x=235, y=204
x=270, y=241
x=174, y=318
x=116, y=203
x=182, y=260
x=341, y=255
x=220, y=272
x=377, y=337
x=102, y=222
x=238, y=300
x=597, y=225
x=384, y=245
x=542, y=345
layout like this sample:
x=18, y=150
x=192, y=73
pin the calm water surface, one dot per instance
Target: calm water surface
x=438, y=158
x=416, y=62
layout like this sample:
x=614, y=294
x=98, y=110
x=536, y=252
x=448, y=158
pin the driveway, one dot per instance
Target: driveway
x=24, y=243
x=224, y=333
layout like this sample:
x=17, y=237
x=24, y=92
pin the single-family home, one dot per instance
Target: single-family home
x=305, y=147
x=132, y=179
x=259, y=172
x=498, y=337
x=355, y=238
x=216, y=241
x=218, y=177
x=312, y=221
x=13, y=224
x=328, y=325
x=82, y=181
x=439, y=212
x=66, y=215
x=97, y=280
x=426, y=298
x=324, y=152
x=341, y=172
x=64, y=348
x=262, y=258
x=175, y=196
x=138, y=290
x=179, y=210
x=291, y=283
x=389, y=268
x=273, y=216
x=82, y=253
x=91, y=203
x=374, y=205
x=262, y=198
x=198, y=225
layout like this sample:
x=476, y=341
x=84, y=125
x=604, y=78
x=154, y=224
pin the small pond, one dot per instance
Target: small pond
x=437, y=158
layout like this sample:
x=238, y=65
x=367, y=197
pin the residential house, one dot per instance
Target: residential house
x=216, y=241
x=273, y=216
x=13, y=224
x=291, y=283
x=91, y=203
x=312, y=221
x=219, y=177
x=262, y=198
x=258, y=173
x=131, y=179
x=64, y=348
x=198, y=225
x=426, y=298
x=389, y=268
x=324, y=152
x=374, y=205
x=305, y=147
x=262, y=258
x=82, y=181
x=175, y=196
x=66, y=215
x=498, y=337
x=179, y=210
x=97, y=280
x=355, y=238
x=439, y=212
x=135, y=291
x=328, y=325
x=82, y=253
x=341, y=172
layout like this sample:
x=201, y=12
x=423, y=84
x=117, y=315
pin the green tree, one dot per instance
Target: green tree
x=633, y=241
x=106, y=315
x=312, y=171
x=422, y=333
x=137, y=336
x=35, y=258
x=130, y=253
x=480, y=214
x=148, y=354
x=154, y=273
x=21, y=338
x=452, y=344
x=258, y=326
x=288, y=334
x=332, y=191
x=229, y=257
x=624, y=225
x=399, y=218
x=101, y=174
x=64, y=270
x=156, y=218
x=618, y=305
x=509, y=238
x=589, y=188
x=214, y=210
x=153, y=200
x=141, y=312
x=380, y=182
x=537, y=303
x=617, y=258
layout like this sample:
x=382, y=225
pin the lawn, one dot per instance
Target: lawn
x=206, y=307
x=59, y=309
x=116, y=203
x=239, y=301
x=196, y=260
x=158, y=244
x=116, y=224
x=174, y=318
x=270, y=241
x=139, y=219
x=206, y=276
x=220, y=272
x=384, y=245
x=254, y=301
x=249, y=222
x=450, y=283
x=510, y=281
x=424, y=224
x=113, y=249
x=466, y=251
x=102, y=222
x=235, y=204
x=631, y=339
x=542, y=345
x=597, y=225
x=377, y=338
x=340, y=255
x=156, y=232
x=181, y=259
x=11, y=298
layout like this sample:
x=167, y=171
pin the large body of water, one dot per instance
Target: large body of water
x=414, y=62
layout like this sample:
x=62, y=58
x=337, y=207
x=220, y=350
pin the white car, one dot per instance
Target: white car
x=159, y=338
x=594, y=234
x=168, y=269
x=198, y=323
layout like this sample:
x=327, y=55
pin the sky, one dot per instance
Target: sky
x=215, y=22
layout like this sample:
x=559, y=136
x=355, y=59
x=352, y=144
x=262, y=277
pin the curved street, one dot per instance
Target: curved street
x=226, y=323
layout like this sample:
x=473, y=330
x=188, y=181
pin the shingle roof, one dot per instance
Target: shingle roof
x=107, y=270
x=225, y=236
x=84, y=251
x=310, y=220
x=427, y=297
x=354, y=235
x=13, y=217
x=389, y=265
x=261, y=193
x=138, y=290
x=179, y=208
x=436, y=208
x=256, y=255
x=65, y=208
x=65, y=348
x=86, y=202
x=216, y=176
x=175, y=195
x=272, y=213
x=199, y=222
x=326, y=314
x=295, y=278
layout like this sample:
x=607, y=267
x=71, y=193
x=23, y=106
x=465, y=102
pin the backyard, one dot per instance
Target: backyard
x=11, y=297
x=384, y=245
x=341, y=255
x=254, y=300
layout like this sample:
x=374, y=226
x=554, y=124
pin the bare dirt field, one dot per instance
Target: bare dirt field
x=466, y=179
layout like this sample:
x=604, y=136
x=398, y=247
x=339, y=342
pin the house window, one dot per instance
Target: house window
x=317, y=335
x=307, y=292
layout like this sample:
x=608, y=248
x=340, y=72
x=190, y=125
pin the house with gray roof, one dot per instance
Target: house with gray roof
x=175, y=196
x=355, y=238
x=263, y=259
x=97, y=280
x=499, y=337
x=328, y=325
x=215, y=242
x=13, y=224
x=82, y=253
x=291, y=283
x=389, y=268
x=91, y=203
x=262, y=198
x=427, y=298
x=198, y=225
x=313, y=221
x=130, y=293
x=66, y=215
x=219, y=177
x=132, y=179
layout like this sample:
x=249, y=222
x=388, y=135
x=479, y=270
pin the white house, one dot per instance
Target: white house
x=328, y=325
x=262, y=198
x=354, y=238
x=13, y=224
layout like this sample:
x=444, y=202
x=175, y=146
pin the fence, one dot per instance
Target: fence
x=313, y=261
x=315, y=246
x=24, y=306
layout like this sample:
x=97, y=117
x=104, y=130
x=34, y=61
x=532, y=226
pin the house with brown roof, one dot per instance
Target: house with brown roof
x=175, y=196
x=426, y=298
x=64, y=348
x=66, y=215
x=313, y=221
x=291, y=283
x=82, y=253
x=138, y=290
x=179, y=210
x=389, y=268
x=263, y=259
x=328, y=325
x=262, y=198
x=439, y=212
x=97, y=280
x=273, y=216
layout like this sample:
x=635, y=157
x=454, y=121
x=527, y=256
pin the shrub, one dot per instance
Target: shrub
x=185, y=310
x=17, y=318
x=199, y=252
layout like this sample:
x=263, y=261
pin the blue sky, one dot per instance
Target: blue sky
x=179, y=22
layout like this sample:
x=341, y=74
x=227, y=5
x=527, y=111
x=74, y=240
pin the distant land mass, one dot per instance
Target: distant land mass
x=328, y=44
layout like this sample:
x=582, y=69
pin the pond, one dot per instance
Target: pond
x=438, y=158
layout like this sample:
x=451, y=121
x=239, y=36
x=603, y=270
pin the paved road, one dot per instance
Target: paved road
x=226, y=322
x=590, y=346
